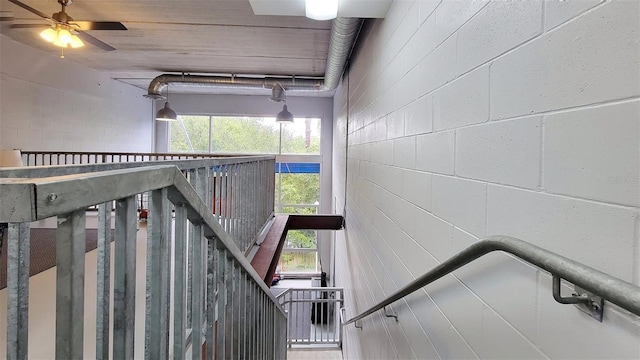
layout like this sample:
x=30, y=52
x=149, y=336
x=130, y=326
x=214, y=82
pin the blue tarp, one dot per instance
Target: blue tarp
x=298, y=168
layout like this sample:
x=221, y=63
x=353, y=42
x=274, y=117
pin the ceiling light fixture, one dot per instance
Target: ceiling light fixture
x=166, y=113
x=62, y=36
x=321, y=9
x=284, y=116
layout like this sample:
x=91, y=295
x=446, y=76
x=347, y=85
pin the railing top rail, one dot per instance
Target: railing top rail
x=184, y=164
x=617, y=291
x=25, y=200
x=107, y=153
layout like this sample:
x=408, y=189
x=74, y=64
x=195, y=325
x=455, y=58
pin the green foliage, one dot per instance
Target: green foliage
x=238, y=135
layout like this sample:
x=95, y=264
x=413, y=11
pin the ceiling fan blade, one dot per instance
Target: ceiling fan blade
x=91, y=40
x=28, y=26
x=29, y=8
x=99, y=25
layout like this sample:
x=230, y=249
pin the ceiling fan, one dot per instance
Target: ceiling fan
x=67, y=32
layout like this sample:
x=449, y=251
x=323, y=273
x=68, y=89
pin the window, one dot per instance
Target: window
x=243, y=135
x=297, y=149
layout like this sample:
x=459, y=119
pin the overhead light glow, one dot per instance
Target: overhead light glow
x=61, y=36
x=321, y=9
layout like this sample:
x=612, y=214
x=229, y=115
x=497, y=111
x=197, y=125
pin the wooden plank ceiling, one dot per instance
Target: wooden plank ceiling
x=190, y=36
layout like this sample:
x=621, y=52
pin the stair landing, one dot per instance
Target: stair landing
x=314, y=354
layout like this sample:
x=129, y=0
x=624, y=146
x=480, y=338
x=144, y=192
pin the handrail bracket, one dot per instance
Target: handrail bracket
x=583, y=300
x=388, y=312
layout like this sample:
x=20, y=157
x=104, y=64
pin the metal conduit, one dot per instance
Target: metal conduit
x=343, y=35
x=619, y=292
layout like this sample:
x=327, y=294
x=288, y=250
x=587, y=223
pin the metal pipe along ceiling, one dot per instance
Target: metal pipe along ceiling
x=343, y=35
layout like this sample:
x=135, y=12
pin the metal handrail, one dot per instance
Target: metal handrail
x=617, y=291
x=185, y=164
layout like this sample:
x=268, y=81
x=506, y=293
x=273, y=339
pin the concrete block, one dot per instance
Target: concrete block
x=415, y=187
x=462, y=102
x=435, y=152
x=438, y=68
x=395, y=124
x=507, y=152
x=404, y=215
x=501, y=341
x=381, y=129
x=422, y=43
x=497, y=28
x=584, y=62
x=418, y=116
x=594, y=153
x=434, y=234
x=404, y=152
x=426, y=8
x=557, y=12
x=460, y=202
x=504, y=283
x=463, y=309
x=597, y=235
x=451, y=15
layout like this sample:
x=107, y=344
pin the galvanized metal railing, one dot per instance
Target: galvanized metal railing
x=232, y=312
x=238, y=190
x=43, y=158
x=313, y=316
x=592, y=287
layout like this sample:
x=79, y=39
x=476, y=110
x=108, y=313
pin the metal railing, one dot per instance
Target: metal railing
x=194, y=273
x=592, y=286
x=40, y=158
x=313, y=316
x=238, y=190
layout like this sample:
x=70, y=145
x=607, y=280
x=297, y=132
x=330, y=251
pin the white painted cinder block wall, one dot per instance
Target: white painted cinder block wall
x=473, y=118
x=48, y=103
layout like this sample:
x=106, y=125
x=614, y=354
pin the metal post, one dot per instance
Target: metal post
x=220, y=259
x=210, y=303
x=18, y=291
x=103, y=280
x=179, y=287
x=70, y=249
x=125, y=279
x=156, y=334
x=196, y=296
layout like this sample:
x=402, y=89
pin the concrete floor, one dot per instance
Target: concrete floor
x=314, y=354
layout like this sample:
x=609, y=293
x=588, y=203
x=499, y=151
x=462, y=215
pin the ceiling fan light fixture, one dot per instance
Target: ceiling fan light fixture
x=166, y=113
x=76, y=42
x=49, y=35
x=321, y=9
x=62, y=37
x=284, y=116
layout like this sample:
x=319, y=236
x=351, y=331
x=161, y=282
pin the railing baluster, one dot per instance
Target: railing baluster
x=210, y=303
x=70, y=249
x=228, y=309
x=103, y=280
x=179, y=288
x=157, y=307
x=196, y=296
x=18, y=249
x=124, y=279
x=220, y=259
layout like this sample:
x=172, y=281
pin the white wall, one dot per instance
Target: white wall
x=473, y=118
x=48, y=103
